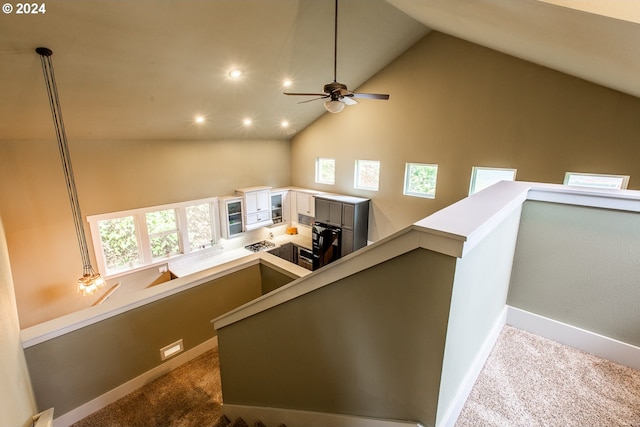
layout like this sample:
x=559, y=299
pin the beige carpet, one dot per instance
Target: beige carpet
x=532, y=381
x=189, y=396
x=527, y=381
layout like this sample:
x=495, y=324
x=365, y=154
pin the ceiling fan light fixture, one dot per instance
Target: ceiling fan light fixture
x=235, y=74
x=334, y=106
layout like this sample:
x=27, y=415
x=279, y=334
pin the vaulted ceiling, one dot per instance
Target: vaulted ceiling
x=145, y=69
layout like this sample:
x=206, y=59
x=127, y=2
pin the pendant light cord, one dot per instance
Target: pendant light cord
x=63, y=147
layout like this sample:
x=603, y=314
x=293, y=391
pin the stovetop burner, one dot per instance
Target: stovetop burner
x=264, y=245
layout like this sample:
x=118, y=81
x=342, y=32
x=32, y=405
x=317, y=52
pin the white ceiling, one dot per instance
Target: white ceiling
x=143, y=69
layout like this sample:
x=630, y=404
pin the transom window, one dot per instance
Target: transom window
x=325, y=171
x=619, y=182
x=367, y=175
x=420, y=180
x=483, y=177
x=134, y=239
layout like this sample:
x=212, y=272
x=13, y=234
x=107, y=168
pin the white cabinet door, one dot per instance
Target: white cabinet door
x=280, y=207
x=257, y=207
x=305, y=203
x=231, y=217
x=257, y=201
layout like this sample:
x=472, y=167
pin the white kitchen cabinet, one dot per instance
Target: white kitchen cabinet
x=305, y=203
x=257, y=206
x=280, y=206
x=231, y=217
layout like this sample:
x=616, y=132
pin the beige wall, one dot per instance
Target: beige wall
x=17, y=403
x=457, y=104
x=110, y=176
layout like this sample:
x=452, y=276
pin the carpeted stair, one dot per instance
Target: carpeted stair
x=223, y=421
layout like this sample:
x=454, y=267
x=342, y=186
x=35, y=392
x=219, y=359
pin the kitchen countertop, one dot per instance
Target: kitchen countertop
x=184, y=267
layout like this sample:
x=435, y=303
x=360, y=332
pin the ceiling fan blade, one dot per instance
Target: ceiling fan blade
x=306, y=94
x=313, y=99
x=370, y=95
x=348, y=100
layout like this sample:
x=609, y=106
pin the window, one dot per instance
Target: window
x=199, y=225
x=482, y=177
x=119, y=241
x=367, y=174
x=420, y=180
x=163, y=233
x=596, y=180
x=135, y=239
x=325, y=171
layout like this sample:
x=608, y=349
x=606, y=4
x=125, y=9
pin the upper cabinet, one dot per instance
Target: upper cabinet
x=329, y=212
x=305, y=203
x=231, y=217
x=280, y=206
x=257, y=207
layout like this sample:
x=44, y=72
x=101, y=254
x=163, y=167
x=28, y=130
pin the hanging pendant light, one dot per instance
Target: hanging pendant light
x=90, y=280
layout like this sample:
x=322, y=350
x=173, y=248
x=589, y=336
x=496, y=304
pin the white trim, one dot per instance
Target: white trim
x=296, y=418
x=383, y=250
x=624, y=200
x=43, y=419
x=590, y=342
x=142, y=233
x=453, y=411
x=122, y=390
x=62, y=325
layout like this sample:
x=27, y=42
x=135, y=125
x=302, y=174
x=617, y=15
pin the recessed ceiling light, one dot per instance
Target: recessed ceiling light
x=284, y=124
x=199, y=119
x=235, y=73
x=287, y=83
x=247, y=122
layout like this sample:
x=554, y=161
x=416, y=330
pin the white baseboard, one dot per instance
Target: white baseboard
x=122, y=390
x=295, y=418
x=590, y=342
x=453, y=411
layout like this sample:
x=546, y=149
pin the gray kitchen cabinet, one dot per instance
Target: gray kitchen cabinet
x=329, y=212
x=284, y=251
x=349, y=213
x=355, y=226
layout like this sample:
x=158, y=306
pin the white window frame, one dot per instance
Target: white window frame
x=357, y=170
x=406, y=191
x=144, y=243
x=319, y=179
x=623, y=180
x=473, y=182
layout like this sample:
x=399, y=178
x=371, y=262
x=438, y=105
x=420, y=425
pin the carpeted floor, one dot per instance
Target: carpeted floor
x=189, y=396
x=527, y=381
x=531, y=381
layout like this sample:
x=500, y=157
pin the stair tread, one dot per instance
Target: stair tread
x=223, y=421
